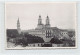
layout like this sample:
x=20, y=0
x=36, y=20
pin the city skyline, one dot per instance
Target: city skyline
x=61, y=15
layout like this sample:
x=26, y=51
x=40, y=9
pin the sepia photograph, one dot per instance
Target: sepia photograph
x=43, y=25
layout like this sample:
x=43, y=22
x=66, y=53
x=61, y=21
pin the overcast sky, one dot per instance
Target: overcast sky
x=61, y=15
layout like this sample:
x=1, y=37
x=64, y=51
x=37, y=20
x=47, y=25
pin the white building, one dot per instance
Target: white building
x=44, y=31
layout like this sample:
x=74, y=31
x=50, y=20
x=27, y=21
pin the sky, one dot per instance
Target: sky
x=61, y=15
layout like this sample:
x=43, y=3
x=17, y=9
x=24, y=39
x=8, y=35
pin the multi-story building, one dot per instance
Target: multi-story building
x=44, y=31
x=42, y=35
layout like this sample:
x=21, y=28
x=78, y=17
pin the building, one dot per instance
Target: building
x=43, y=35
x=44, y=31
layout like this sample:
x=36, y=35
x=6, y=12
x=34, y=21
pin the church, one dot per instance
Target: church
x=44, y=31
x=42, y=36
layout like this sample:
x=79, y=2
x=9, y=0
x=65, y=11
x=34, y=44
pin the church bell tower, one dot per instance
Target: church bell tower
x=39, y=20
x=18, y=26
x=40, y=24
x=47, y=22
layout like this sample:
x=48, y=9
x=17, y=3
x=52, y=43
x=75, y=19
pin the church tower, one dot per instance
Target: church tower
x=40, y=24
x=47, y=22
x=18, y=26
x=39, y=20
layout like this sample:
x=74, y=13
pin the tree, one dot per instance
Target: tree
x=71, y=33
x=56, y=41
x=33, y=39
